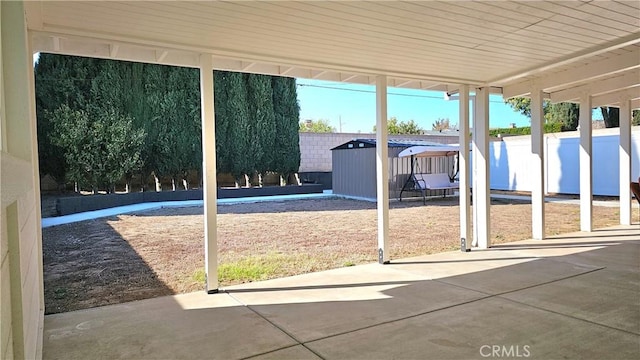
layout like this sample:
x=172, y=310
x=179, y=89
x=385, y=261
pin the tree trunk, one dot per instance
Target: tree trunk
x=297, y=176
x=185, y=184
x=283, y=182
x=259, y=179
x=157, y=182
x=127, y=184
x=611, y=116
x=173, y=183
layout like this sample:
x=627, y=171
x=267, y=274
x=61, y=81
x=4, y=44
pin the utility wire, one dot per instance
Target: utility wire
x=373, y=92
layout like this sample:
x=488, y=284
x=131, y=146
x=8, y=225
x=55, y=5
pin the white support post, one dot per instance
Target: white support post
x=36, y=180
x=382, y=169
x=209, y=173
x=481, y=193
x=625, y=162
x=586, y=169
x=463, y=168
x=537, y=165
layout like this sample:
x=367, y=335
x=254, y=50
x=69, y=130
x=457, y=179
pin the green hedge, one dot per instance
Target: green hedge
x=526, y=130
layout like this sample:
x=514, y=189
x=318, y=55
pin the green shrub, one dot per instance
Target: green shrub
x=526, y=130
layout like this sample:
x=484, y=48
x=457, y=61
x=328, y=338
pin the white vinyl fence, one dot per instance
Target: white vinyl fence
x=510, y=162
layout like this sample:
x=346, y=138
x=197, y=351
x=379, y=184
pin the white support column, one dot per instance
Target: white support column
x=481, y=193
x=537, y=165
x=625, y=162
x=36, y=183
x=463, y=168
x=586, y=169
x=209, y=193
x=382, y=169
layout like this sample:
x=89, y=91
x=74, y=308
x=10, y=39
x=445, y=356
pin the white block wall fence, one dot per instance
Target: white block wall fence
x=510, y=168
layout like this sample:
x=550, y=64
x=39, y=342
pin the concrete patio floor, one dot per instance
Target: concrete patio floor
x=573, y=296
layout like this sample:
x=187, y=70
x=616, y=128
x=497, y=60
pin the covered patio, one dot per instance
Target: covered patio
x=580, y=51
x=572, y=296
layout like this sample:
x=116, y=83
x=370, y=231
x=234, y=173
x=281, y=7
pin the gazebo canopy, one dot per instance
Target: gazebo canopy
x=430, y=151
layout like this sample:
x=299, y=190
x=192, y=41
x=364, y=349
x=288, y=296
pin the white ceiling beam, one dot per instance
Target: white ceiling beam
x=618, y=43
x=161, y=55
x=226, y=64
x=622, y=81
x=100, y=38
x=248, y=66
x=615, y=97
x=575, y=75
x=286, y=71
x=404, y=83
x=329, y=76
x=56, y=43
x=349, y=77
x=318, y=74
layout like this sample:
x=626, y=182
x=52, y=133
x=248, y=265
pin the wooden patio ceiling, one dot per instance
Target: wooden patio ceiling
x=564, y=48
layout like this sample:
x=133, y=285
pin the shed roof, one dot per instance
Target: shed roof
x=371, y=143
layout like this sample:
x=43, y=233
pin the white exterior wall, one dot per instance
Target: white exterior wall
x=315, y=148
x=21, y=292
x=509, y=172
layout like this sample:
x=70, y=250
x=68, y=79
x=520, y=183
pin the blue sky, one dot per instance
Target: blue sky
x=355, y=106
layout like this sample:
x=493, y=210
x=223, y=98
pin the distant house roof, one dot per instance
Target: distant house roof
x=371, y=143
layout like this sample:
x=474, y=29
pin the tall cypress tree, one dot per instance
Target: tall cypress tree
x=237, y=112
x=223, y=149
x=287, y=114
x=262, y=121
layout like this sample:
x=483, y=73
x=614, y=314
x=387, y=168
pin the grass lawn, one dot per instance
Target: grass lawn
x=137, y=256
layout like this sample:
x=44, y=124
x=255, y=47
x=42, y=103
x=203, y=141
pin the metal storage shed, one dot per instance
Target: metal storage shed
x=354, y=167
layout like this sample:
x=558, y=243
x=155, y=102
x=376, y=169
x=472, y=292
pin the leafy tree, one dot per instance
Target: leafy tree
x=99, y=147
x=565, y=113
x=287, y=142
x=401, y=127
x=316, y=126
x=163, y=103
x=59, y=80
x=568, y=113
x=441, y=124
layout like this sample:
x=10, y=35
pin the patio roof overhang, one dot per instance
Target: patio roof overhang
x=511, y=47
x=579, y=51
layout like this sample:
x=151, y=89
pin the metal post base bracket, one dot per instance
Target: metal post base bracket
x=463, y=245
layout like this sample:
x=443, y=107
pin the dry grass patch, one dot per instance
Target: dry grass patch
x=137, y=256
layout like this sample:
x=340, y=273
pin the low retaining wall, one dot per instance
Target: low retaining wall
x=77, y=204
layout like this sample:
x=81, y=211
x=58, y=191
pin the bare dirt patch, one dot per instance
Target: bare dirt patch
x=137, y=256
